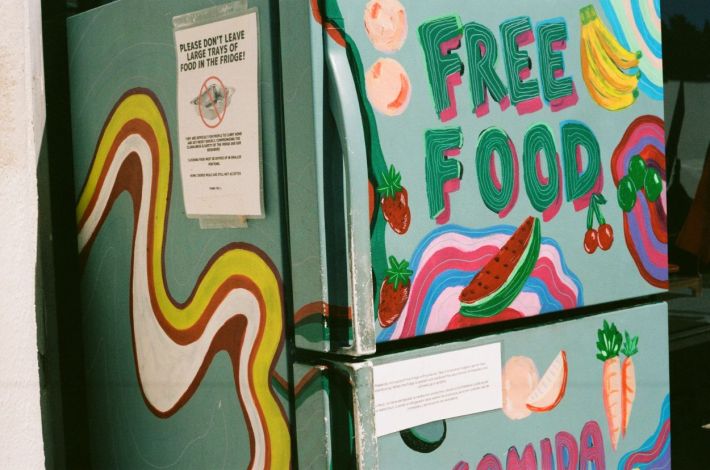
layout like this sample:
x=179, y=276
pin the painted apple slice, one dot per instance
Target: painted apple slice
x=549, y=391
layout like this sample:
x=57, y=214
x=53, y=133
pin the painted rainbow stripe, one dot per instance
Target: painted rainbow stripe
x=236, y=305
x=645, y=226
x=655, y=453
x=637, y=26
x=446, y=261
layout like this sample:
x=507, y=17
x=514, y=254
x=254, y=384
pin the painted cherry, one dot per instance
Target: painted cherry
x=606, y=236
x=591, y=241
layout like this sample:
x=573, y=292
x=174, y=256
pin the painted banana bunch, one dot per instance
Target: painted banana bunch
x=610, y=71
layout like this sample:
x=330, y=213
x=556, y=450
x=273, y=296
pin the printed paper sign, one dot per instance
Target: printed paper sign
x=218, y=115
x=418, y=391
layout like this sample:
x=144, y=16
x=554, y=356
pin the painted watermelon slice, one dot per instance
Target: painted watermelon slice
x=500, y=280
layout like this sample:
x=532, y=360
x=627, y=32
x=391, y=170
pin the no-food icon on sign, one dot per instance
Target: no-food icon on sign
x=213, y=101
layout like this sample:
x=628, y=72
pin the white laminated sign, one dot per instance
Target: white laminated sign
x=416, y=391
x=218, y=113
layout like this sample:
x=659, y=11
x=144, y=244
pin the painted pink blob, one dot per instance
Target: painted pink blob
x=582, y=202
x=565, y=102
x=524, y=38
x=516, y=186
x=386, y=24
x=527, y=461
x=550, y=213
x=546, y=450
x=388, y=87
x=538, y=170
x=494, y=174
x=505, y=103
x=565, y=443
x=449, y=187
x=489, y=462
x=484, y=108
x=452, y=80
x=529, y=106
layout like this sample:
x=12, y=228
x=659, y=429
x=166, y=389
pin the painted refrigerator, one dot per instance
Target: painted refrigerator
x=183, y=317
x=471, y=163
x=477, y=163
x=585, y=393
x=273, y=196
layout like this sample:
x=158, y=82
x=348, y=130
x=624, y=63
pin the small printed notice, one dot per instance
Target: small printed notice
x=418, y=391
x=218, y=117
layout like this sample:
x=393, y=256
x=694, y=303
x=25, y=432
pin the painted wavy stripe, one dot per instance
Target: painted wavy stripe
x=461, y=466
x=563, y=296
x=418, y=323
x=636, y=22
x=655, y=252
x=645, y=229
x=637, y=26
x=536, y=297
x=657, y=215
x=429, y=243
x=533, y=300
x=655, y=453
x=659, y=212
x=448, y=305
x=439, y=307
x=449, y=261
x=468, y=238
x=645, y=131
x=640, y=218
x=647, y=140
x=652, y=153
x=446, y=261
x=237, y=295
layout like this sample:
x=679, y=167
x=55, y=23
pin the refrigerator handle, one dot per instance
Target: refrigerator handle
x=360, y=381
x=346, y=111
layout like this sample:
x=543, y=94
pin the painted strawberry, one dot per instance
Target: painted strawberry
x=394, y=291
x=395, y=202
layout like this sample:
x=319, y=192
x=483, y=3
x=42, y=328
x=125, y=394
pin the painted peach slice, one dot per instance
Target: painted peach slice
x=552, y=386
x=388, y=87
x=520, y=378
x=386, y=24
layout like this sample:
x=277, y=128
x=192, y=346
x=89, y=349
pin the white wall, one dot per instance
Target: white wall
x=21, y=126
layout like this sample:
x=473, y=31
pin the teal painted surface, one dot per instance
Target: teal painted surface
x=112, y=49
x=470, y=438
x=399, y=140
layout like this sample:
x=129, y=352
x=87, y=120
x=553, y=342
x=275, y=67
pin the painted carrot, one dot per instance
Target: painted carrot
x=628, y=379
x=609, y=346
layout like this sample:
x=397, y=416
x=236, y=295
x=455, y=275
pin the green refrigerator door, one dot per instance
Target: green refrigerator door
x=586, y=393
x=183, y=326
x=493, y=161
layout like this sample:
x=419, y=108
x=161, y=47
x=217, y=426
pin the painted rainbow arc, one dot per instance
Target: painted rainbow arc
x=645, y=229
x=450, y=256
x=236, y=305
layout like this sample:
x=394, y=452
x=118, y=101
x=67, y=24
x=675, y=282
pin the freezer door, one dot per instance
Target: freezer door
x=584, y=392
x=493, y=162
